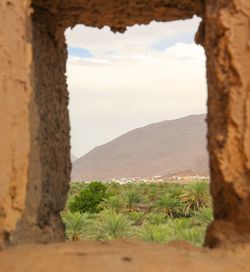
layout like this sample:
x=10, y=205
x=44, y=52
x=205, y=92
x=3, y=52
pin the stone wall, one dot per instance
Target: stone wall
x=119, y=14
x=50, y=166
x=227, y=44
x=34, y=144
x=15, y=96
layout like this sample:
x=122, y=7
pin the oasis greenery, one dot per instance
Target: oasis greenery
x=153, y=212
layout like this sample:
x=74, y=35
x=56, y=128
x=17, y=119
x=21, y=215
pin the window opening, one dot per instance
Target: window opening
x=137, y=110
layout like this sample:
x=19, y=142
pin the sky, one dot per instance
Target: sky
x=119, y=82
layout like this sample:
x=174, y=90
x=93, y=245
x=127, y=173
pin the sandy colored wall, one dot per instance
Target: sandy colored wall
x=35, y=155
x=49, y=170
x=50, y=165
x=119, y=14
x=15, y=92
x=227, y=43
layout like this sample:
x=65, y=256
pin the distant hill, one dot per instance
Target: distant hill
x=165, y=148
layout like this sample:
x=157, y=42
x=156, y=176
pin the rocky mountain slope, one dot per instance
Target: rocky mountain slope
x=165, y=148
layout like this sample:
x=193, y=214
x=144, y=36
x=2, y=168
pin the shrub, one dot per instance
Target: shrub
x=76, y=187
x=196, y=196
x=159, y=212
x=157, y=233
x=203, y=217
x=113, y=188
x=113, y=202
x=76, y=225
x=174, y=189
x=156, y=218
x=182, y=230
x=177, y=229
x=172, y=206
x=194, y=236
x=88, y=199
x=132, y=198
x=111, y=225
x=136, y=217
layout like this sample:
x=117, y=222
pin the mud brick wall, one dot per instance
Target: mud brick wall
x=34, y=139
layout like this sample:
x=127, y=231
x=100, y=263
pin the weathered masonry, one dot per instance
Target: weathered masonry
x=34, y=139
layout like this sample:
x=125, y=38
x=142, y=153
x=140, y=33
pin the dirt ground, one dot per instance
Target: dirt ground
x=119, y=256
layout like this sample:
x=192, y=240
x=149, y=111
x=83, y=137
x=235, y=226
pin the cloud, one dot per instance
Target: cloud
x=162, y=44
x=149, y=74
x=136, y=40
x=139, y=74
x=182, y=51
x=79, y=52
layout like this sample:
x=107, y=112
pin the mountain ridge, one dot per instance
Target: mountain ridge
x=162, y=148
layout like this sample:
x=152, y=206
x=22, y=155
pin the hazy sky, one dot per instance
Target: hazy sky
x=118, y=82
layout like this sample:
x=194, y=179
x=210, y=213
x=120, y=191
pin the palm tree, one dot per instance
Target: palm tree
x=152, y=193
x=76, y=224
x=136, y=217
x=194, y=236
x=111, y=225
x=182, y=230
x=179, y=224
x=170, y=205
x=175, y=189
x=203, y=217
x=157, y=218
x=196, y=196
x=157, y=233
x=133, y=198
x=113, y=188
x=113, y=202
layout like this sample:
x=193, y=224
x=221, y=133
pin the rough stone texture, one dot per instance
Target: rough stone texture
x=50, y=172
x=123, y=256
x=15, y=95
x=34, y=165
x=35, y=158
x=227, y=44
x=118, y=14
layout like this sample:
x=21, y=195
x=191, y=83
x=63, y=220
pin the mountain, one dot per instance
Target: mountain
x=165, y=148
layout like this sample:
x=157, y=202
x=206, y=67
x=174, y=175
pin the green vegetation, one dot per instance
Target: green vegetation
x=153, y=212
x=75, y=224
x=88, y=199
